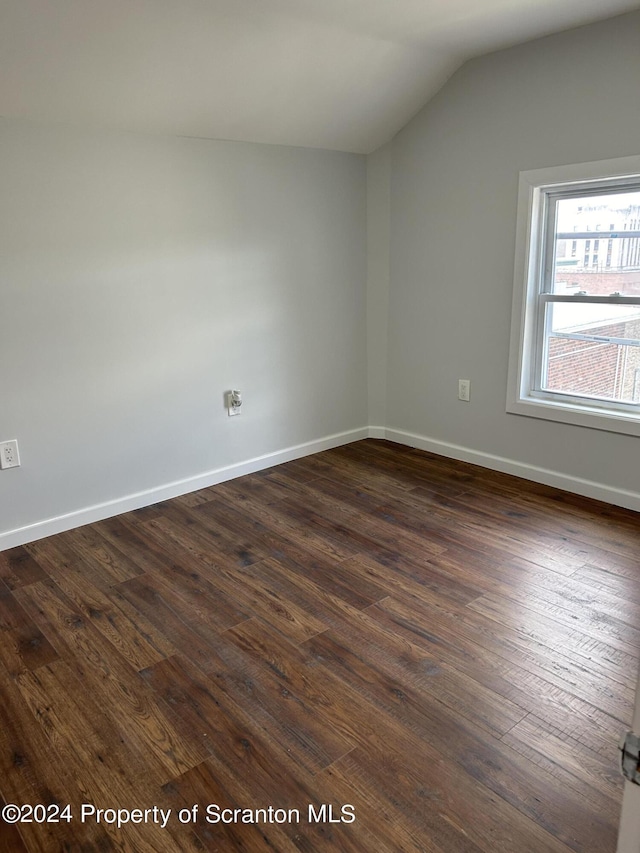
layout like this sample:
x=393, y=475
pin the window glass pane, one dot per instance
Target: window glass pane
x=593, y=350
x=585, y=220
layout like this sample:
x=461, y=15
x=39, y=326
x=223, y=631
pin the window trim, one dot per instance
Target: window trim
x=534, y=189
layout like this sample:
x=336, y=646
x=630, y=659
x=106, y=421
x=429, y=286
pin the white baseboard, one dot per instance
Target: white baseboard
x=377, y=432
x=98, y=512
x=587, y=488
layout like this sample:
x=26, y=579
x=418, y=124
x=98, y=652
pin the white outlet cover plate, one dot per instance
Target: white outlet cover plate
x=9, y=456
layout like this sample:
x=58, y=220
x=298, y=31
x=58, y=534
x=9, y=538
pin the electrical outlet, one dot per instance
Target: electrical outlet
x=464, y=390
x=9, y=456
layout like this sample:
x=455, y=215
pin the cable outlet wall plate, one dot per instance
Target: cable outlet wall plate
x=234, y=403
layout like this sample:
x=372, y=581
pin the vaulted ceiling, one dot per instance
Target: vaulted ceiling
x=339, y=74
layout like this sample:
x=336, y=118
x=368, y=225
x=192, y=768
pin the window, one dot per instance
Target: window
x=575, y=352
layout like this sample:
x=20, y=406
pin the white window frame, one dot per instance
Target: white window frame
x=524, y=396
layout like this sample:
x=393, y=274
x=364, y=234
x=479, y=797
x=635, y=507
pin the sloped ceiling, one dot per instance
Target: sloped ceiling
x=338, y=74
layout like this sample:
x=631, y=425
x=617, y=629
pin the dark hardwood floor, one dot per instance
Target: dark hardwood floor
x=448, y=651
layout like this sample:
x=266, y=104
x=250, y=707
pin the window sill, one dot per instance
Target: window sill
x=585, y=416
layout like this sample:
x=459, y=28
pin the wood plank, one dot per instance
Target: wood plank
x=222, y=584
x=452, y=527
x=238, y=678
x=91, y=548
x=312, y=686
x=10, y=838
x=533, y=517
x=553, y=626
x=18, y=568
x=323, y=538
x=573, y=762
x=391, y=661
x=395, y=470
x=22, y=643
x=516, y=577
x=98, y=665
x=134, y=637
x=329, y=574
x=547, y=685
x=244, y=762
x=299, y=698
x=362, y=532
x=234, y=550
x=203, y=787
x=529, y=789
x=623, y=589
x=102, y=757
x=32, y=770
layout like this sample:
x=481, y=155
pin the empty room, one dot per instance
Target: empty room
x=319, y=426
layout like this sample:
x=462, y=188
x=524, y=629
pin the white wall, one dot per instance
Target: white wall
x=568, y=98
x=144, y=276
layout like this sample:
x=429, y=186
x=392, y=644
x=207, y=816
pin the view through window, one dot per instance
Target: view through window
x=591, y=346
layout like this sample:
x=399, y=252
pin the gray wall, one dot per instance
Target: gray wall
x=141, y=278
x=568, y=98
